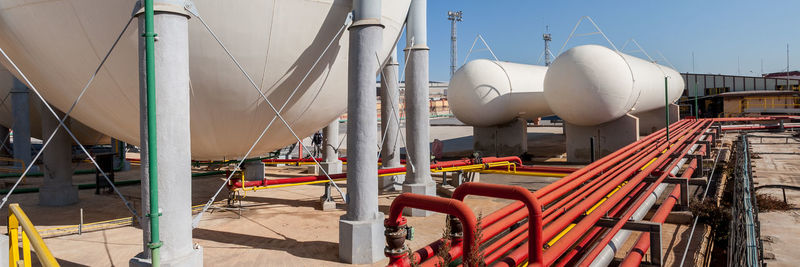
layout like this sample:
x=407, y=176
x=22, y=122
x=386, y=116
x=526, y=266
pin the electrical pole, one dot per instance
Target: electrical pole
x=453, y=17
x=546, y=37
x=693, y=63
x=787, y=68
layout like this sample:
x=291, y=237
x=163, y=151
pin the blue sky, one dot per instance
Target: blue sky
x=716, y=31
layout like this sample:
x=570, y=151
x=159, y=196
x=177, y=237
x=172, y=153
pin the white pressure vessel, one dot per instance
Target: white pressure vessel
x=59, y=43
x=591, y=84
x=487, y=92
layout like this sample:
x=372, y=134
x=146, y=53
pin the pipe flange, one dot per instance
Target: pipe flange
x=456, y=228
x=395, y=237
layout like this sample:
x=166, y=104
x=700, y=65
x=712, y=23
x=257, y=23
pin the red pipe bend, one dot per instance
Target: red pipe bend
x=437, y=204
x=517, y=193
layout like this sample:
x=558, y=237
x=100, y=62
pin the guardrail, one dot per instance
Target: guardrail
x=20, y=225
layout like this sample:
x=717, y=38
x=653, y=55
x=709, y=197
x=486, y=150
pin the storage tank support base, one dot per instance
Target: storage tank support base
x=608, y=137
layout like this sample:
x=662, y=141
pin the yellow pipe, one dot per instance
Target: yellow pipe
x=541, y=174
x=568, y=228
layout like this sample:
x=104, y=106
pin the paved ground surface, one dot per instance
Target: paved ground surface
x=776, y=161
x=276, y=227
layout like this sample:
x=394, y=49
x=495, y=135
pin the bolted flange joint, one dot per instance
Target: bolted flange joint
x=456, y=229
x=396, y=234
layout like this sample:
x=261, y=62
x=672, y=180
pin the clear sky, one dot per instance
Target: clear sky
x=718, y=32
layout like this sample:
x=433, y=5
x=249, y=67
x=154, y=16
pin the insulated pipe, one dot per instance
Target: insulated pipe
x=418, y=177
x=551, y=254
x=634, y=258
x=517, y=193
x=436, y=204
x=568, y=183
x=446, y=164
x=565, y=242
x=642, y=207
x=390, y=124
x=360, y=228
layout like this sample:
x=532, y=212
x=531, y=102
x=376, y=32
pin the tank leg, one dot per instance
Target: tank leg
x=418, y=176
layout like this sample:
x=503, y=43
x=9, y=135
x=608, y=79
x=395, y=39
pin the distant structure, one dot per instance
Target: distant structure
x=453, y=17
x=547, y=40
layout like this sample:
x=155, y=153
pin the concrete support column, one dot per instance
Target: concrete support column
x=418, y=176
x=330, y=156
x=22, y=123
x=583, y=142
x=254, y=170
x=390, y=124
x=118, y=147
x=361, y=239
x=173, y=132
x=57, y=188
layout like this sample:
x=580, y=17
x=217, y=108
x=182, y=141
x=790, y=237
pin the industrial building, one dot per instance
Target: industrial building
x=176, y=133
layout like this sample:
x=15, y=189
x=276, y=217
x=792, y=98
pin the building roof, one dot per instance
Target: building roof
x=758, y=93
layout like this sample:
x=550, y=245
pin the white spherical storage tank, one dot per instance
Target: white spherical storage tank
x=487, y=92
x=59, y=43
x=591, y=84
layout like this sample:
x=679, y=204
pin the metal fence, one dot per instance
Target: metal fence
x=744, y=241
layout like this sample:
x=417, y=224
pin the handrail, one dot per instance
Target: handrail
x=17, y=218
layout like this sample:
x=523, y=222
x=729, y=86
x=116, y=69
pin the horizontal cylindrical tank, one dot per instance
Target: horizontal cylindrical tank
x=58, y=44
x=85, y=135
x=486, y=92
x=591, y=84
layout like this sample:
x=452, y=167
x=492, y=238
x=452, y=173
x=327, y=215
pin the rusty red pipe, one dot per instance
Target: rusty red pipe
x=596, y=251
x=436, y=204
x=517, y=193
x=634, y=258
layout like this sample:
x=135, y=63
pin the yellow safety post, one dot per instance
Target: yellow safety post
x=30, y=237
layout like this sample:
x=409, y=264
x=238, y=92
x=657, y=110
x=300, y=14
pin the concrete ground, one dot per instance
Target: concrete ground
x=275, y=227
x=776, y=161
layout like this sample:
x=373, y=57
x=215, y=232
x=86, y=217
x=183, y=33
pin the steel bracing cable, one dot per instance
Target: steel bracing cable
x=66, y=115
x=193, y=10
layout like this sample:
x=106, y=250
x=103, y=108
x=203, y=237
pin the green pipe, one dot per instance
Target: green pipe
x=696, y=107
x=150, y=62
x=666, y=105
x=39, y=174
x=93, y=185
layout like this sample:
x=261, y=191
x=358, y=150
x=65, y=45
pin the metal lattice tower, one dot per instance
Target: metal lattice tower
x=453, y=17
x=546, y=37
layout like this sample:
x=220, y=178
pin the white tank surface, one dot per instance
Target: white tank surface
x=59, y=43
x=591, y=84
x=86, y=135
x=486, y=92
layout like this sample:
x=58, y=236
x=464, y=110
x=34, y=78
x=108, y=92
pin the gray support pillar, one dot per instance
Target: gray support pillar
x=361, y=237
x=174, y=144
x=22, y=123
x=57, y=188
x=390, y=126
x=418, y=176
x=120, y=160
x=330, y=140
